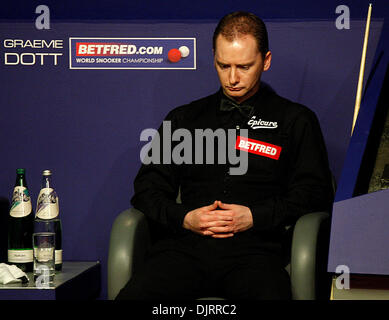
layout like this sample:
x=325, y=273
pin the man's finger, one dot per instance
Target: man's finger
x=225, y=205
x=223, y=212
x=216, y=217
x=222, y=235
x=211, y=206
x=220, y=229
x=207, y=233
x=216, y=223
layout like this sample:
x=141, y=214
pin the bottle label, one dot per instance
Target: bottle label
x=21, y=203
x=20, y=256
x=47, y=206
x=44, y=254
x=58, y=256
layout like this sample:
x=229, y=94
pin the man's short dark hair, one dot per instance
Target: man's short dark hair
x=241, y=23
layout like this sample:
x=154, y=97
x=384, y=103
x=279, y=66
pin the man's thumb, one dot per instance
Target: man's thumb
x=212, y=206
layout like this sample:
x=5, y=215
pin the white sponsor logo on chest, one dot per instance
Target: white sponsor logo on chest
x=258, y=124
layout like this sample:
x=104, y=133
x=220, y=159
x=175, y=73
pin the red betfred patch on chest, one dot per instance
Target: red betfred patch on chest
x=257, y=147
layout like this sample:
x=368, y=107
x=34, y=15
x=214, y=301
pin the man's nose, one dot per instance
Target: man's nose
x=234, y=77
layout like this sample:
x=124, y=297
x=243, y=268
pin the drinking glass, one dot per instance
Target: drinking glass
x=44, y=258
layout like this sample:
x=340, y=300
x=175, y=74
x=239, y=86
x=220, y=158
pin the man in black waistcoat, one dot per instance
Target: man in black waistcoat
x=225, y=238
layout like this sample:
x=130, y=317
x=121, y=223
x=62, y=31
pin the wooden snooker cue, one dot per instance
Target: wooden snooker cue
x=361, y=70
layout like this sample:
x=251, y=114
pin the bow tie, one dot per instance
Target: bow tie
x=228, y=105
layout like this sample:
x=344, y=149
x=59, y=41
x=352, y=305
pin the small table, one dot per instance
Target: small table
x=78, y=280
x=362, y=288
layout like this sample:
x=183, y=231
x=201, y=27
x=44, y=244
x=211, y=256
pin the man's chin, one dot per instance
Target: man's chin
x=241, y=94
x=236, y=94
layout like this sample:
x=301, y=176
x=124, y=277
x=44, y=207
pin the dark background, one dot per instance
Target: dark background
x=189, y=10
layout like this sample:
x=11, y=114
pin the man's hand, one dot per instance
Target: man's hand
x=242, y=218
x=201, y=220
x=219, y=220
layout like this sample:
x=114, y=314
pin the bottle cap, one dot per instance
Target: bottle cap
x=20, y=171
x=47, y=172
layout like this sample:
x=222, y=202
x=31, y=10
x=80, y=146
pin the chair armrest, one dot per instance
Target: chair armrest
x=129, y=226
x=304, y=254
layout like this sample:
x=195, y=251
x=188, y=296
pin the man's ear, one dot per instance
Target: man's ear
x=267, y=61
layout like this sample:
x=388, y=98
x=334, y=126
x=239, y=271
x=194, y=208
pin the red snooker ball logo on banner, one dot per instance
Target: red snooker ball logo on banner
x=132, y=53
x=175, y=55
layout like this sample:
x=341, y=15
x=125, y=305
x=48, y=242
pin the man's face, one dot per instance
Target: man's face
x=239, y=65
